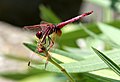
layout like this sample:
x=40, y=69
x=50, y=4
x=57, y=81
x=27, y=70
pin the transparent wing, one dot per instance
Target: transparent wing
x=33, y=27
x=39, y=27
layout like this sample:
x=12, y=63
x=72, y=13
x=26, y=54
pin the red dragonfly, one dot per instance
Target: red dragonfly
x=45, y=29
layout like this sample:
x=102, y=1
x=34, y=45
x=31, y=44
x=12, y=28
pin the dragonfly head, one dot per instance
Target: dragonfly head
x=39, y=34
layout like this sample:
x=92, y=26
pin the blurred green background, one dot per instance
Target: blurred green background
x=72, y=50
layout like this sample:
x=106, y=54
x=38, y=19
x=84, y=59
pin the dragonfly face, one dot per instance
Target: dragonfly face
x=39, y=34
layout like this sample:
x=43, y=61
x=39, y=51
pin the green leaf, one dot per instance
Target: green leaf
x=79, y=53
x=100, y=78
x=43, y=78
x=69, y=38
x=106, y=73
x=74, y=56
x=112, y=32
x=48, y=15
x=16, y=75
x=90, y=33
x=108, y=61
x=97, y=38
x=30, y=46
x=89, y=64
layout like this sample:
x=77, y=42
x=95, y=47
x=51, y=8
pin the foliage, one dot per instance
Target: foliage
x=82, y=63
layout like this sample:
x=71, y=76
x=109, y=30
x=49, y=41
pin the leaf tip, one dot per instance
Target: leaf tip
x=25, y=44
x=93, y=48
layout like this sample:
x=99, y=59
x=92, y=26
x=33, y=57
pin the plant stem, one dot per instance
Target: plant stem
x=49, y=58
x=62, y=69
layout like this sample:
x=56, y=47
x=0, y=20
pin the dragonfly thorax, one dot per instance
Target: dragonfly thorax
x=52, y=28
x=46, y=31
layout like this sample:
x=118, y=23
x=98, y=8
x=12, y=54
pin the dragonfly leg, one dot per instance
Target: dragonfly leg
x=46, y=63
x=40, y=46
x=51, y=42
x=48, y=57
x=44, y=42
x=30, y=59
x=49, y=39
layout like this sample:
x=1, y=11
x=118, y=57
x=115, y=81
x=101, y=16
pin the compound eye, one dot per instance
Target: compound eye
x=39, y=34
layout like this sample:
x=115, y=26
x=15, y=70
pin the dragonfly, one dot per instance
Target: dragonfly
x=45, y=29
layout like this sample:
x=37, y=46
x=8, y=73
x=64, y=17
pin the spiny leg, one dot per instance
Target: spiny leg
x=39, y=46
x=44, y=42
x=51, y=42
x=30, y=61
x=46, y=63
x=49, y=39
x=48, y=57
